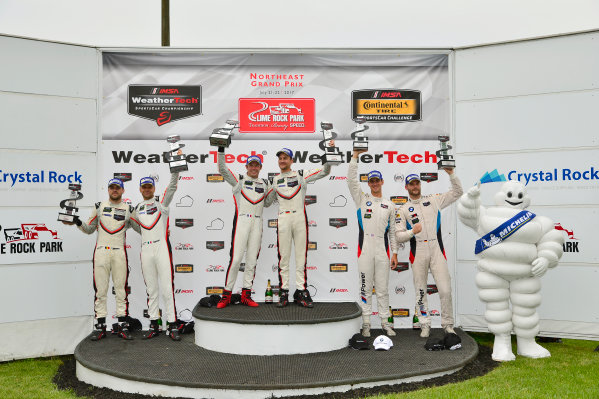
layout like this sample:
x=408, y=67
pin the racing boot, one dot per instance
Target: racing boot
x=124, y=330
x=225, y=300
x=449, y=329
x=173, y=331
x=388, y=329
x=365, y=330
x=246, y=298
x=302, y=298
x=99, y=331
x=425, y=330
x=154, y=330
x=283, y=298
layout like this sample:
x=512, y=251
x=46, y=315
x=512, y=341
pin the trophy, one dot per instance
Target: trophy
x=70, y=213
x=445, y=160
x=221, y=137
x=332, y=155
x=360, y=139
x=177, y=162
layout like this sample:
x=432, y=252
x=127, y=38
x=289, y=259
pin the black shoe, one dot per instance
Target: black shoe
x=173, y=332
x=99, y=332
x=124, y=331
x=302, y=298
x=154, y=330
x=283, y=298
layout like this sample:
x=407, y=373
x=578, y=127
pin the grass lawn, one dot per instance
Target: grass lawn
x=572, y=371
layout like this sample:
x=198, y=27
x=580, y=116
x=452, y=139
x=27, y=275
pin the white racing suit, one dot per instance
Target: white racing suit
x=156, y=252
x=250, y=196
x=110, y=256
x=292, y=224
x=376, y=224
x=426, y=248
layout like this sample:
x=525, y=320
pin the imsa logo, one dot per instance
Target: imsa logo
x=181, y=291
x=338, y=267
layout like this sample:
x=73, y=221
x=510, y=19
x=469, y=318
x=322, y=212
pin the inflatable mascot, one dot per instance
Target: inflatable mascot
x=515, y=250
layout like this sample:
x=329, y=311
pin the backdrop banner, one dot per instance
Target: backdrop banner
x=279, y=101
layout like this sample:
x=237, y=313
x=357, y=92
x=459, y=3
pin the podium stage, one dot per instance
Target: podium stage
x=162, y=367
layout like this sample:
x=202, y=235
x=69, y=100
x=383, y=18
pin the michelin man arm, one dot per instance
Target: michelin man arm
x=549, y=248
x=470, y=208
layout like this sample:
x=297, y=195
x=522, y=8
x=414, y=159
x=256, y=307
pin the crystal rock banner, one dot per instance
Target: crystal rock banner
x=278, y=101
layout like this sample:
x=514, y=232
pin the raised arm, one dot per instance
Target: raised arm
x=449, y=197
x=170, y=190
x=92, y=224
x=315, y=174
x=353, y=183
x=222, y=167
x=470, y=209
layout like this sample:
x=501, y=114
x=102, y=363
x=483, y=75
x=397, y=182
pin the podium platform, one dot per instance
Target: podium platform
x=162, y=367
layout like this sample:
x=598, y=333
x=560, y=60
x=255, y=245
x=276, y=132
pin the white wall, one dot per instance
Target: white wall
x=523, y=108
x=48, y=105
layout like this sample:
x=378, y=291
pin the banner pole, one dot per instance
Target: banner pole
x=166, y=35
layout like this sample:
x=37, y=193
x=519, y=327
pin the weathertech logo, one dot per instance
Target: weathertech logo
x=184, y=268
x=215, y=245
x=310, y=199
x=214, y=290
x=337, y=222
x=124, y=177
x=184, y=223
x=386, y=105
x=431, y=289
x=402, y=267
x=276, y=115
x=338, y=267
x=429, y=177
x=164, y=104
x=214, y=178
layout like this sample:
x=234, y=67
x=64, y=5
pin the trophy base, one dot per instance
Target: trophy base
x=360, y=145
x=446, y=163
x=65, y=217
x=333, y=159
x=220, y=140
x=179, y=166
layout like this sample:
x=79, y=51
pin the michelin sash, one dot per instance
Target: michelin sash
x=504, y=231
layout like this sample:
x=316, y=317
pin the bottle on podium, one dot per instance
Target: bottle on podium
x=390, y=318
x=268, y=294
x=415, y=321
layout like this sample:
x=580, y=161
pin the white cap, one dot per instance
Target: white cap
x=382, y=343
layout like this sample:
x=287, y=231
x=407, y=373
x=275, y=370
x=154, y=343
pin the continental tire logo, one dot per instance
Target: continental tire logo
x=273, y=223
x=215, y=245
x=337, y=222
x=184, y=268
x=399, y=199
x=312, y=246
x=400, y=312
x=214, y=178
x=387, y=105
x=214, y=290
x=364, y=177
x=338, y=267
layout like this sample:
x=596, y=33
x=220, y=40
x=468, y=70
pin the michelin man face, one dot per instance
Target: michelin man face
x=513, y=195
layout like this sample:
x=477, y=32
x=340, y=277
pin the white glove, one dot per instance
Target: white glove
x=539, y=267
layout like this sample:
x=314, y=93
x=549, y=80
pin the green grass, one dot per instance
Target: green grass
x=572, y=371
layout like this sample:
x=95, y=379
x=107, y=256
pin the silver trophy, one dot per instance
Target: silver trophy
x=176, y=161
x=360, y=139
x=69, y=205
x=332, y=155
x=221, y=137
x=445, y=160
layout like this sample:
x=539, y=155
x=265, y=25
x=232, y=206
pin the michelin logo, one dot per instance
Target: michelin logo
x=43, y=176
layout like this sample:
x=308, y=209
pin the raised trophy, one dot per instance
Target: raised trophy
x=174, y=157
x=221, y=137
x=69, y=205
x=332, y=155
x=445, y=160
x=360, y=139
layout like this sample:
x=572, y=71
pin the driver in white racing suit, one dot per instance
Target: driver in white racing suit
x=156, y=253
x=250, y=194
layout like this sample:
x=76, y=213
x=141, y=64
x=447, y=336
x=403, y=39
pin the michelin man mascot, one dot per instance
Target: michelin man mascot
x=515, y=250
